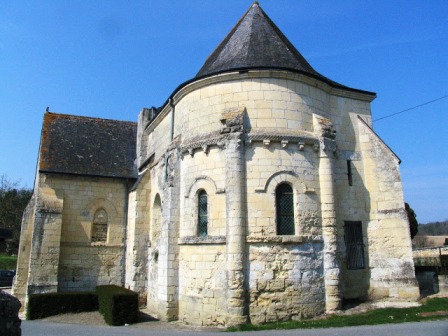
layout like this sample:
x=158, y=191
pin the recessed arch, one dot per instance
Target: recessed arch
x=102, y=214
x=283, y=176
x=98, y=203
x=156, y=218
x=201, y=182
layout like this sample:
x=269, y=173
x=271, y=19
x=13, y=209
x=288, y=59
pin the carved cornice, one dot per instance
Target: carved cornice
x=203, y=142
x=300, y=140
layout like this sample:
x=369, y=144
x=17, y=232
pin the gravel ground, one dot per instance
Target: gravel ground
x=145, y=321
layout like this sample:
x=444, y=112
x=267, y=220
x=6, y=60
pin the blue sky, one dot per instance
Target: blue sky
x=110, y=58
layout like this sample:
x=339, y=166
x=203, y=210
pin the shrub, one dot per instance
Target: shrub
x=118, y=305
x=49, y=304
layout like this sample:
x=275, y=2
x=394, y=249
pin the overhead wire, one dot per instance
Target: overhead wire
x=412, y=108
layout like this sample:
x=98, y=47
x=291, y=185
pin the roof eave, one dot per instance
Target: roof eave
x=247, y=69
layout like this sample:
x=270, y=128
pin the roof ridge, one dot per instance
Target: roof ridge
x=251, y=27
x=73, y=116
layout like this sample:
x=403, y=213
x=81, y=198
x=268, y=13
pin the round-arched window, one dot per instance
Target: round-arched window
x=202, y=213
x=99, y=226
x=284, y=203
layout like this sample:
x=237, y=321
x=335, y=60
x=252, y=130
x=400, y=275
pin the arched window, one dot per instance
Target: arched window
x=99, y=226
x=202, y=213
x=156, y=219
x=284, y=203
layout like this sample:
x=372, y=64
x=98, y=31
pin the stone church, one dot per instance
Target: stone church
x=257, y=192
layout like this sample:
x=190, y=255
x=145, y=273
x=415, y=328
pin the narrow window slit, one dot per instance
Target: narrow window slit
x=349, y=172
x=202, y=214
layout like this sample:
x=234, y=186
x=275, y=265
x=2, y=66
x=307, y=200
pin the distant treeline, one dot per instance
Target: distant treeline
x=433, y=229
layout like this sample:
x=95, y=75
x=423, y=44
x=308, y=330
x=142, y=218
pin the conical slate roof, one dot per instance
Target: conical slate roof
x=257, y=43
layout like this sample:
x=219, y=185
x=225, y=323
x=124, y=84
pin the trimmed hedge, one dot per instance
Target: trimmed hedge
x=118, y=305
x=49, y=304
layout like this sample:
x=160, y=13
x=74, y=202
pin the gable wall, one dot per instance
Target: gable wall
x=352, y=201
x=391, y=263
x=83, y=264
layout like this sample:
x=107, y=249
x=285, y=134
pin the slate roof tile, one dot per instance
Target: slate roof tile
x=88, y=146
x=255, y=42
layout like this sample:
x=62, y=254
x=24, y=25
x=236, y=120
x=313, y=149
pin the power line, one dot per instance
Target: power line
x=411, y=108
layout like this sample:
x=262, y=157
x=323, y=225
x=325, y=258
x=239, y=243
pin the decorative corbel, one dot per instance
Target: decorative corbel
x=205, y=148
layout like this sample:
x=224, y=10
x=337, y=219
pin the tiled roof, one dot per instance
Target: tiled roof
x=88, y=146
x=257, y=43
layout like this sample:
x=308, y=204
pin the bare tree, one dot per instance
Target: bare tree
x=13, y=200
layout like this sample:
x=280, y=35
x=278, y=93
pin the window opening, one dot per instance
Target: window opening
x=99, y=226
x=349, y=172
x=202, y=213
x=284, y=201
x=355, y=245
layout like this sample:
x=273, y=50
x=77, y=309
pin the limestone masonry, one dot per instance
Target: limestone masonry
x=258, y=192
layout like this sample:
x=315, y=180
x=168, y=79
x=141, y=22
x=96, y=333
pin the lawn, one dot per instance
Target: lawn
x=431, y=309
x=8, y=262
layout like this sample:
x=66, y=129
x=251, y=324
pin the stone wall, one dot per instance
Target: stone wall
x=203, y=171
x=202, y=282
x=138, y=236
x=268, y=165
x=84, y=264
x=20, y=285
x=155, y=227
x=276, y=101
x=389, y=244
x=285, y=281
x=272, y=104
x=434, y=252
x=264, y=128
x=45, y=242
x=82, y=268
x=58, y=226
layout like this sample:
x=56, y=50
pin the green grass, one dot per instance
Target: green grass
x=8, y=262
x=377, y=316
